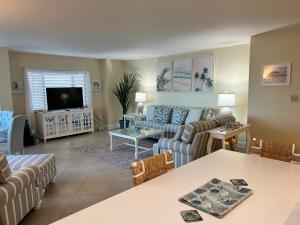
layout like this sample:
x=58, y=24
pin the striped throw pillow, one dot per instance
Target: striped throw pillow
x=5, y=172
x=192, y=128
x=179, y=116
x=162, y=114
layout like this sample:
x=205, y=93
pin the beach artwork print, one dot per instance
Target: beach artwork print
x=203, y=74
x=182, y=75
x=276, y=75
x=164, y=76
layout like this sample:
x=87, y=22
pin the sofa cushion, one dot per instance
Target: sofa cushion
x=150, y=113
x=179, y=115
x=162, y=114
x=171, y=128
x=193, y=115
x=5, y=172
x=192, y=128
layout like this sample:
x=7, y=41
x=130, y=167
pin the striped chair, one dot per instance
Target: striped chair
x=190, y=141
x=20, y=191
x=151, y=167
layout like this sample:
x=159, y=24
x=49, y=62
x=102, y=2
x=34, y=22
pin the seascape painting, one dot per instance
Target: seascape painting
x=182, y=75
x=276, y=75
x=164, y=76
x=203, y=74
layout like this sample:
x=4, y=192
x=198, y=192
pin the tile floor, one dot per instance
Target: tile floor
x=81, y=180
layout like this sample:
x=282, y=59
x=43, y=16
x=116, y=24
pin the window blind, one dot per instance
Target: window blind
x=39, y=80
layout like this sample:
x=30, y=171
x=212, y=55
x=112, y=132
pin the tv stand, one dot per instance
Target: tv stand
x=64, y=123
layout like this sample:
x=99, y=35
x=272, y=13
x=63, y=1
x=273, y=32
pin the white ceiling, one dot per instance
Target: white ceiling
x=130, y=29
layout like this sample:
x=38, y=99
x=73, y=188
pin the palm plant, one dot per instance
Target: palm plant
x=125, y=90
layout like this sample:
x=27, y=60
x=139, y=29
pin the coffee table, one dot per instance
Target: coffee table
x=135, y=135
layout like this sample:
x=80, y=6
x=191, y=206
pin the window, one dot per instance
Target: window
x=38, y=81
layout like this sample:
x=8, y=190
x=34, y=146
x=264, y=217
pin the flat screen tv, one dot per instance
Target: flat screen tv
x=64, y=98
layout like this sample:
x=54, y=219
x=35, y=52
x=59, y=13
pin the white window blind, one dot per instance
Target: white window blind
x=39, y=80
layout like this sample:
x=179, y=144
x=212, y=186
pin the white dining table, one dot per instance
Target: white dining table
x=275, y=201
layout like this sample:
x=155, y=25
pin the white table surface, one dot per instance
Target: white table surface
x=276, y=198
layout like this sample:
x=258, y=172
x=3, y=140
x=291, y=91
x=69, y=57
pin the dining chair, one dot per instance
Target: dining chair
x=15, y=142
x=151, y=167
x=275, y=150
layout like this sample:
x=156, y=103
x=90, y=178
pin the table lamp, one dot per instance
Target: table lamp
x=226, y=100
x=140, y=98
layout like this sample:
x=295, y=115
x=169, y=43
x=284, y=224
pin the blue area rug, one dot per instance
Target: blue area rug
x=122, y=156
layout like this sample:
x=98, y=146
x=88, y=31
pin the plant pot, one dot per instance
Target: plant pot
x=121, y=122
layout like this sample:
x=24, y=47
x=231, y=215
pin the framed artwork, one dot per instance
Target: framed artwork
x=17, y=86
x=203, y=74
x=276, y=75
x=164, y=76
x=182, y=75
x=96, y=85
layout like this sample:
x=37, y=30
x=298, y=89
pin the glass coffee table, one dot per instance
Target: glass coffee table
x=135, y=135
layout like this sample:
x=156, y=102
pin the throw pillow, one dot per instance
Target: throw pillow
x=179, y=133
x=150, y=113
x=179, y=115
x=194, y=115
x=192, y=128
x=162, y=114
x=5, y=172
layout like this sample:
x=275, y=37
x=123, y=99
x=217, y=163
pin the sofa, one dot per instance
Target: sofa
x=23, y=180
x=169, y=118
x=190, y=141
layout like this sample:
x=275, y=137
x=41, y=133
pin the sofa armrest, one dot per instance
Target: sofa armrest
x=20, y=179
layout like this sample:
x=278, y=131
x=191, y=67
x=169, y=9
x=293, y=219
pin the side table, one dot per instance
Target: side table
x=223, y=135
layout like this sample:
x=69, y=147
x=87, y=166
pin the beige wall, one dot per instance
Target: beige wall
x=20, y=61
x=110, y=71
x=5, y=86
x=231, y=74
x=271, y=113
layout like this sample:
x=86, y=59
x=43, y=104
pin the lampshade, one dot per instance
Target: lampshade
x=226, y=100
x=140, y=97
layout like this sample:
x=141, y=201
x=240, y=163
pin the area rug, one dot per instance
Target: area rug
x=122, y=155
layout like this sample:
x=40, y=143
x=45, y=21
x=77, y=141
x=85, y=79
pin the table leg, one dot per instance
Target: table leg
x=136, y=149
x=111, y=143
x=223, y=144
x=209, y=144
x=248, y=142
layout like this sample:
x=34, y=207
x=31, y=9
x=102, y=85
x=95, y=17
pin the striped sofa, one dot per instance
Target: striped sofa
x=190, y=141
x=170, y=128
x=23, y=189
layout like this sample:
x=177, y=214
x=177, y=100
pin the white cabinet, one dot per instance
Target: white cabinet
x=63, y=123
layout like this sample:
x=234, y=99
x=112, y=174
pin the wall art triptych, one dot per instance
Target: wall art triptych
x=186, y=75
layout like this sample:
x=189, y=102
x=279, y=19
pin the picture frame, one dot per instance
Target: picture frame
x=203, y=73
x=182, y=75
x=97, y=85
x=276, y=75
x=164, y=76
x=17, y=86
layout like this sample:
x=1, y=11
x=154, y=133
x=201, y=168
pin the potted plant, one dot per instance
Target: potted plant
x=125, y=91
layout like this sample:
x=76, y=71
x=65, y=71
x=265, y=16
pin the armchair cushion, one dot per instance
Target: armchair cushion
x=5, y=172
x=192, y=128
x=221, y=120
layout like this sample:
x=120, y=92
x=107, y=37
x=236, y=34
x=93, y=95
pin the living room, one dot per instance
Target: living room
x=203, y=81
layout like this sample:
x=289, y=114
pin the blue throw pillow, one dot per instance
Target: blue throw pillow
x=162, y=114
x=179, y=116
